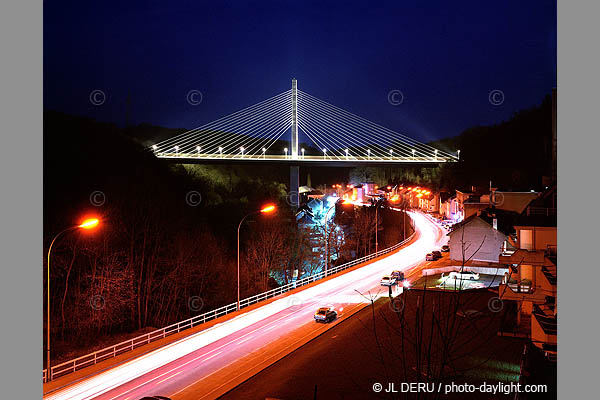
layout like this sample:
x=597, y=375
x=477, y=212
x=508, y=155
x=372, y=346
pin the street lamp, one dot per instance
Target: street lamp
x=369, y=154
x=265, y=210
x=221, y=151
x=264, y=151
x=90, y=223
x=346, y=154
x=176, y=150
x=242, y=151
x=198, y=149
x=413, y=153
x=391, y=152
x=324, y=153
x=154, y=147
x=285, y=149
x=303, y=153
x=458, y=152
x=436, y=154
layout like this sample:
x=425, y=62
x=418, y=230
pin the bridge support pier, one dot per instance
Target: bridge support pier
x=294, y=195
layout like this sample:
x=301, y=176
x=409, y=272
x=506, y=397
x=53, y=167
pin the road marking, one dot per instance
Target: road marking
x=245, y=340
x=170, y=377
x=311, y=304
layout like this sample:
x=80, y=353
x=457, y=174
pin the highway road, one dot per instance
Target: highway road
x=206, y=364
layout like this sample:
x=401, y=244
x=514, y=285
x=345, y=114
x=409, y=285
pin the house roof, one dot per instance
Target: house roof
x=503, y=227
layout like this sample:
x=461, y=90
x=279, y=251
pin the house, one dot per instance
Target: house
x=476, y=239
x=449, y=208
x=531, y=282
x=430, y=202
x=528, y=289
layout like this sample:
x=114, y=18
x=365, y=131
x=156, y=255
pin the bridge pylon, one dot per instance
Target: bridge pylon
x=294, y=141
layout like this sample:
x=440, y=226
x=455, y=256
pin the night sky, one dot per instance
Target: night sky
x=445, y=58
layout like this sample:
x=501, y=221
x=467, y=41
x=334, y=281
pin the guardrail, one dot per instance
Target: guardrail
x=128, y=345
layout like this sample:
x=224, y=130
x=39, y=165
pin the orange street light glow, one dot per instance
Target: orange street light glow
x=268, y=209
x=89, y=223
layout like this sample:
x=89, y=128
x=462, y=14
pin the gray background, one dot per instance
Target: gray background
x=21, y=198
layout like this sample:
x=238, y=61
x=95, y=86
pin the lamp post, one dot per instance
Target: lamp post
x=327, y=240
x=264, y=151
x=285, y=149
x=266, y=209
x=324, y=153
x=302, y=153
x=458, y=154
x=87, y=224
x=376, y=226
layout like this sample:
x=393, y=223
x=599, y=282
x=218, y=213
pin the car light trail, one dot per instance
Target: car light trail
x=334, y=290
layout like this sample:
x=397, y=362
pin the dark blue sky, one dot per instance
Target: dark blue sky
x=445, y=57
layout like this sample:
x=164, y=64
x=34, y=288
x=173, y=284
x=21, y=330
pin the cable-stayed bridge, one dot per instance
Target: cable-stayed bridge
x=258, y=132
x=269, y=132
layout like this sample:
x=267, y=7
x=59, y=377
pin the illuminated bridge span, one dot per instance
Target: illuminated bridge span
x=256, y=133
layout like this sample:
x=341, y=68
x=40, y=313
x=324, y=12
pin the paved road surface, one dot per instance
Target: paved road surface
x=207, y=363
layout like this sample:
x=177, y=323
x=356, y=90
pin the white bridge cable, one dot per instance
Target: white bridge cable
x=354, y=141
x=242, y=123
x=270, y=132
x=228, y=133
x=347, y=139
x=218, y=130
x=424, y=148
x=227, y=118
x=345, y=114
x=321, y=145
x=237, y=135
x=331, y=141
x=271, y=142
x=386, y=141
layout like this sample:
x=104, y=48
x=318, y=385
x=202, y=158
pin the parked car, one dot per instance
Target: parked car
x=156, y=398
x=445, y=248
x=398, y=275
x=464, y=275
x=387, y=280
x=325, y=314
x=437, y=254
x=429, y=257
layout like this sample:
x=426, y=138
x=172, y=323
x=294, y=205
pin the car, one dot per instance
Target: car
x=464, y=275
x=445, y=248
x=437, y=254
x=398, y=275
x=387, y=280
x=325, y=314
x=155, y=398
x=429, y=257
